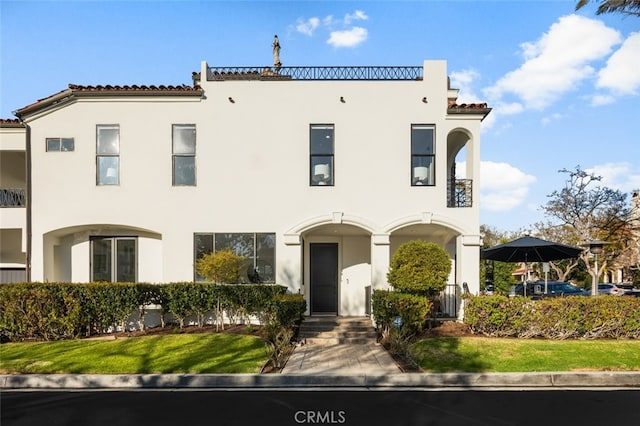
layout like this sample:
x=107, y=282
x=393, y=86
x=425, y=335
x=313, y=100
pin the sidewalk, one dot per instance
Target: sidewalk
x=346, y=359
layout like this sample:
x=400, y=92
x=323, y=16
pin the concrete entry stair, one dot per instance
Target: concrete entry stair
x=331, y=330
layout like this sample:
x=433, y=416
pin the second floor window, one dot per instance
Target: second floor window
x=321, y=152
x=108, y=155
x=60, y=144
x=184, y=154
x=423, y=155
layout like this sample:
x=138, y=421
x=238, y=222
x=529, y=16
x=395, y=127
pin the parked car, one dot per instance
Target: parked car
x=536, y=290
x=607, y=288
x=629, y=289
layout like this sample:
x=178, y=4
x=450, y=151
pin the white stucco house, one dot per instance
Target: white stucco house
x=315, y=174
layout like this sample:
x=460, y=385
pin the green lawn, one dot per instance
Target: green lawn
x=483, y=354
x=180, y=353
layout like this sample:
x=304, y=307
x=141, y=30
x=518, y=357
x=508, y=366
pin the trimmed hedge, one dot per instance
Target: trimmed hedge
x=606, y=317
x=412, y=309
x=66, y=310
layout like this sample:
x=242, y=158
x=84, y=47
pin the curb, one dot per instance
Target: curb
x=556, y=380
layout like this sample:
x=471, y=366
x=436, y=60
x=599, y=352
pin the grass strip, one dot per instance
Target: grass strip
x=480, y=354
x=180, y=353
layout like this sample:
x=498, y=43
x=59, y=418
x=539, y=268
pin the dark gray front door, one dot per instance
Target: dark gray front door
x=324, y=278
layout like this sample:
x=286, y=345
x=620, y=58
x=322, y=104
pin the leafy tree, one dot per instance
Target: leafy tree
x=627, y=7
x=585, y=211
x=222, y=266
x=419, y=267
x=498, y=273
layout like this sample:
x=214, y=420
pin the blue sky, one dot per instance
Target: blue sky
x=564, y=85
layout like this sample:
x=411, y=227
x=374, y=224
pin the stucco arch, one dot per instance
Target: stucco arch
x=66, y=251
x=424, y=218
x=292, y=236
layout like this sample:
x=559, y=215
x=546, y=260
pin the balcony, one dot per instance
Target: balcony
x=12, y=197
x=314, y=73
x=460, y=193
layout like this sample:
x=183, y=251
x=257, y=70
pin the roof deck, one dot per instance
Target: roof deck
x=369, y=73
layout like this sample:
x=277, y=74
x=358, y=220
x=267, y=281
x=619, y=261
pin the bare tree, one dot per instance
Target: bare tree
x=584, y=211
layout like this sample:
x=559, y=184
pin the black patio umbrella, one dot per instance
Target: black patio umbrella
x=530, y=249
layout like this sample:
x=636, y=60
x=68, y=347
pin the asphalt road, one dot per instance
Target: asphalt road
x=282, y=407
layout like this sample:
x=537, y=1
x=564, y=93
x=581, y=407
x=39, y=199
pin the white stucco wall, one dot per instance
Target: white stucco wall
x=252, y=168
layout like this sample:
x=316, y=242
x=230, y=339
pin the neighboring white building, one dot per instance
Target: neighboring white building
x=316, y=174
x=13, y=212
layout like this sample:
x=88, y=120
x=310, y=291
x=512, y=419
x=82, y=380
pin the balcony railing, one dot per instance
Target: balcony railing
x=12, y=197
x=460, y=193
x=314, y=73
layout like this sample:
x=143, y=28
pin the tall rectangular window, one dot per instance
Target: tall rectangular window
x=258, y=250
x=423, y=155
x=184, y=154
x=321, y=154
x=108, y=155
x=114, y=259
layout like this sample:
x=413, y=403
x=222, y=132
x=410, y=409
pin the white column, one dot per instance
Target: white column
x=468, y=265
x=289, y=258
x=380, y=257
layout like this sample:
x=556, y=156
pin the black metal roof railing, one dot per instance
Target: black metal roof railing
x=315, y=73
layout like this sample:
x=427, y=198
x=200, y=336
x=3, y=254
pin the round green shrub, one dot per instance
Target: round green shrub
x=419, y=267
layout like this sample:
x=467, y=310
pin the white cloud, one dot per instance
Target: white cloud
x=621, y=176
x=348, y=38
x=463, y=80
x=358, y=15
x=548, y=119
x=503, y=187
x=307, y=27
x=345, y=36
x=622, y=72
x=599, y=100
x=557, y=62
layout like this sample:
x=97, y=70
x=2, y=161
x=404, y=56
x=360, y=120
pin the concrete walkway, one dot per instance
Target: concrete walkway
x=346, y=359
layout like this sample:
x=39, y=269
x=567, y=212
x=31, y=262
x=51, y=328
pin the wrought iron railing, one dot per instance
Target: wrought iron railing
x=315, y=73
x=447, y=303
x=460, y=193
x=12, y=197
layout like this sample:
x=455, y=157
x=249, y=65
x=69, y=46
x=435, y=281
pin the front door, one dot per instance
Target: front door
x=324, y=278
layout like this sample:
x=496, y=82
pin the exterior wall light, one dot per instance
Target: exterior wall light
x=231, y=100
x=342, y=99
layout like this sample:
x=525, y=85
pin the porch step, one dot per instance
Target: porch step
x=336, y=330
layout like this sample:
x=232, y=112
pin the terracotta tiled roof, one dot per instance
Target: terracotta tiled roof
x=76, y=91
x=10, y=122
x=478, y=108
x=134, y=88
x=467, y=106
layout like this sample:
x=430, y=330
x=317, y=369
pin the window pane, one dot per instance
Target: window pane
x=184, y=139
x=202, y=244
x=322, y=140
x=422, y=170
x=422, y=140
x=108, y=140
x=126, y=260
x=108, y=170
x=321, y=170
x=184, y=170
x=101, y=261
x=67, y=144
x=53, y=144
x=264, y=271
x=242, y=245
